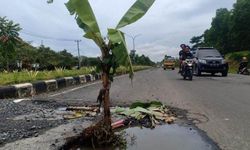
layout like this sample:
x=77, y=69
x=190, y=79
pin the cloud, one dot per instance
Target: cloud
x=167, y=24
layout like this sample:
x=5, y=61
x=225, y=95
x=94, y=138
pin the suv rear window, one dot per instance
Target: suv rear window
x=171, y=58
x=206, y=53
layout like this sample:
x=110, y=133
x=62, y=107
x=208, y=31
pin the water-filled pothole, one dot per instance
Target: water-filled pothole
x=173, y=137
x=168, y=137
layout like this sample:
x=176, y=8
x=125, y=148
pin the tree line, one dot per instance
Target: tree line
x=16, y=54
x=141, y=60
x=229, y=31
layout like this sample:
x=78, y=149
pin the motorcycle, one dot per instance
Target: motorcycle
x=244, y=71
x=187, y=69
x=243, y=68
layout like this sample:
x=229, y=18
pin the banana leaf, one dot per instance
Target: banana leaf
x=136, y=11
x=85, y=19
x=119, y=49
x=155, y=113
x=146, y=105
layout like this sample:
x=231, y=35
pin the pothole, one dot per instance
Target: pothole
x=161, y=137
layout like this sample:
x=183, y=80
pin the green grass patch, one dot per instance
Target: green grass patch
x=237, y=56
x=8, y=78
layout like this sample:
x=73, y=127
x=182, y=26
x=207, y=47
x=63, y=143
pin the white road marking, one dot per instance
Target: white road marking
x=74, y=89
x=77, y=88
x=19, y=100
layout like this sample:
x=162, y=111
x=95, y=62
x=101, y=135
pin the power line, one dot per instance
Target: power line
x=57, y=39
x=47, y=37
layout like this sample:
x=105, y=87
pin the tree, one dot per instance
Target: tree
x=241, y=25
x=47, y=58
x=25, y=55
x=197, y=41
x=66, y=59
x=141, y=60
x=114, y=52
x=9, y=38
x=219, y=34
x=230, y=29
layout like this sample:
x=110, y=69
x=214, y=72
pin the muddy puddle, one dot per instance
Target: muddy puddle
x=172, y=137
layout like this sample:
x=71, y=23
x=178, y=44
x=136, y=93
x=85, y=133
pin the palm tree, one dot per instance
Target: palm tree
x=9, y=37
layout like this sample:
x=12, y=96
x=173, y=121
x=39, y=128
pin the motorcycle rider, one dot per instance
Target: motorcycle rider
x=184, y=54
x=243, y=64
x=183, y=46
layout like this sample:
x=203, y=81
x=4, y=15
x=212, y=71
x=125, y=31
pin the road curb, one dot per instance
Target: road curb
x=24, y=90
x=39, y=87
x=30, y=89
x=8, y=92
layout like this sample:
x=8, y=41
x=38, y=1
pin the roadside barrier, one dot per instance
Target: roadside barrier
x=39, y=87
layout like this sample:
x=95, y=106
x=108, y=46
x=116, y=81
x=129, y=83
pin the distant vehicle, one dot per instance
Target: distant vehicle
x=210, y=60
x=169, y=63
x=187, y=68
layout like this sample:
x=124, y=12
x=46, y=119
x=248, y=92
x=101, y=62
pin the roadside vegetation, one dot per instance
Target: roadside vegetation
x=229, y=33
x=235, y=58
x=28, y=57
x=15, y=77
x=21, y=62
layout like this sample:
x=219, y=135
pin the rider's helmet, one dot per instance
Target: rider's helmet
x=182, y=46
x=244, y=59
x=187, y=48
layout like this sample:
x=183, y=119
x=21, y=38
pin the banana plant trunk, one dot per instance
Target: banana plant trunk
x=106, y=100
x=106, y=88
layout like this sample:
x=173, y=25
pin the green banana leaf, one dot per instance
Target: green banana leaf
x=138, y=10
x=145, y=104
x=120, y=49
x=85, y=19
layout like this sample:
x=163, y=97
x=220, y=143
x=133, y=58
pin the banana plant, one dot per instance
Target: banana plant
x=114, y=51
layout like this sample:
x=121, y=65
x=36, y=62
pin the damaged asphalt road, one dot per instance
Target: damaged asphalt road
x=217, y=105
x=16, y=121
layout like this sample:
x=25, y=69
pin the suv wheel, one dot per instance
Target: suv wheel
x=197, y=71
x=224, y=74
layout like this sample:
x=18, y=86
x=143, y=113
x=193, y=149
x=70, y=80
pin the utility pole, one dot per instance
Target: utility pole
x=79, y=57
x=133, y=37
x=133, y=50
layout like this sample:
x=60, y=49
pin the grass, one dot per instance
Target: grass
x=8, y=78
x=235, y=58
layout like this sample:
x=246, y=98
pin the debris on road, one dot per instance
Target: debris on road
x=80, y=111
x=118, y=124
x=83, y=108
x=138, y=114
x=144, y=114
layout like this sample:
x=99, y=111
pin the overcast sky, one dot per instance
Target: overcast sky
x=167, y=24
